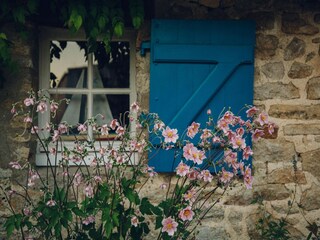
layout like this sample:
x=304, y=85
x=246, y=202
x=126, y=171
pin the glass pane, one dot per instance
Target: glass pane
x=68, y=67
x=111, y=70
x=73, y=113
x=110, y=106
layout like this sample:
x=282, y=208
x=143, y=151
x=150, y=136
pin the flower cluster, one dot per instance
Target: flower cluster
x=91, y=188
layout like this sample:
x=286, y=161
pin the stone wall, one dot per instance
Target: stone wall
x=287, y=86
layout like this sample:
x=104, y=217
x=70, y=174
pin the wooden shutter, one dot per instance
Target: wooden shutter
x=198, y=65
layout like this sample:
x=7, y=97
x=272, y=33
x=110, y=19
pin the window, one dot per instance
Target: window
x=198, y=65
x=99, y=83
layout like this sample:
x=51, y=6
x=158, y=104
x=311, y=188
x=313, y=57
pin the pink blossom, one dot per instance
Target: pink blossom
x=206, y=133
x=223, y=125
x=240, y=131
x=28, y=101
x=42, y=107
x=169, y=225
x=53, y=151
x=163, y=186
x=102, y=151
x=182, y=169
x=15, y=165
x=263, y=118
x=206, y=176
x=271, y=127
x=226, y=176
x=27, y=211
x=247, y=177
x=257, y=134
x=13, y=110
x=150, y=171
x=230, y=157
x=134, y=107
x=88, y=191
x=158, y=126
x=193, y=174
x=56, y=135
x=121, y=159
x=97, y=179
x=120, y=131
x=247, y=152
x=209, y=111
x=216, y=139
x=54, y=107
x=82, y=128
x=188, y=150
x=170, y=135
x=251, y=111
x=63, y=128
x=88, y=220
x=27, y=119
x=104, y=129
x=34, y=129
x=193, y=129
x=190, y=196
x=238, y=142
x=134, y=221
x=186, y=214
x=198, y=156
x=114, y=124
x=77, y=180
x=51, y=203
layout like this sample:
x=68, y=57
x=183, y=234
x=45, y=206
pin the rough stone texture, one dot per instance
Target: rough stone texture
x=313, y=88
x=300, y=70
x=310, y=198
x=271, y=192
x=235, y=218
x=210, y=3
x=316, y=40
x=216, y=213
x=286, y=175
x=293, y=24
x=274, y=150
x=218, y=233
x=310, y=56
x=264, y=20
x=266, y=46
x=311, y=163
x=273, y=70
x=304, y=112
x=302, y=129
x=296, y=48
x=276, y=90
x=252, y=221
x=283, y=207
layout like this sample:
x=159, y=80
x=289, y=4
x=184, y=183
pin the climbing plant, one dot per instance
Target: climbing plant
x=98, y=18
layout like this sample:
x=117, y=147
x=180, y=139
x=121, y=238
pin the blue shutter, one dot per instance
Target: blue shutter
x=198, y=65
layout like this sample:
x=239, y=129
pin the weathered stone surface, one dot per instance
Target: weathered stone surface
x=216, y=213
x=316, y=40
x=310, y=198
x=313, y=88
x=310, y=56
x=300, y=70
x=272, y=192
x=264, y=20
x=293, y=24
x=311, y=163
x=266, y=46
x=296, y=48
x=286, y=175
x=306, y=112
x=5, y=173
x=317, y=139
x=235, y=218
x=207, y=233
x=276, y=90
x=210, y=3
x=301, y=129
x=247, y=5
x=274, y=150
x=273, y=70
x=243, y=198
x=284, y=208
x=252, y=221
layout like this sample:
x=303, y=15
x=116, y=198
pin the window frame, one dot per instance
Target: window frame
x=48, y=34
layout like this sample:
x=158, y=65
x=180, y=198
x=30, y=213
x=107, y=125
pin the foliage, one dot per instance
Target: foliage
x=98, y=18
x=92, y=188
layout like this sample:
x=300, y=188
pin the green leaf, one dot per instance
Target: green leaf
x=108, y=228
x=137, y=22
x=115, y=218
x=102, y=22
x=119, y=29
x=77, y=22
x=78, y=212
x=9, y=229
x=158, y=222
x=3, y=36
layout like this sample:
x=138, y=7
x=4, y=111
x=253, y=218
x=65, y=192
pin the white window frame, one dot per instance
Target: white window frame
x=51, y=34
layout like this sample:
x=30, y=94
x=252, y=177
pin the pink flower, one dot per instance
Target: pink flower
x=170, y=135
x=188, y=150
x=186, y=214
x=27, y=119
x=54, y=107
x=206, y=133
x=51, y=203
x=230, y=157
x=206, y=176
x=193, y=129
x=228, y=117
x=247, y=152
x=77, y=180
x=53, y=151
x=251, y=111
x=56, y=135
x=163, y=186
x=134, y=221
x=134, y=107
x=27, y=211
x=150, y=171
x=223, y=125
x=82, y=128
x=247, y=177
x=120, y=131
x=88, y=220
x=63, y=128
x=158, y=126
x=34, y=129
x=193, y=174
x=13, y=110
x=209, y=111
x=271, y=127
x=240, y=131
x=28, y=101
x=104, y=129
x=169, y=225
x=88, y=191
x=263, y=118
x=198, y=156
x=257, y=134
x=190, y=196
x=114, y=124
x=226, y=176
x=42, y=107
x=97, y=179
x=238, y=142
x=15, y=165
x=182, y=169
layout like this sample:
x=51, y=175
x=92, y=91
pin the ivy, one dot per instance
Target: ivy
x=98, y=18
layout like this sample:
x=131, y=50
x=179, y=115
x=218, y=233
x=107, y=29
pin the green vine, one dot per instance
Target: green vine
x=98, y=18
